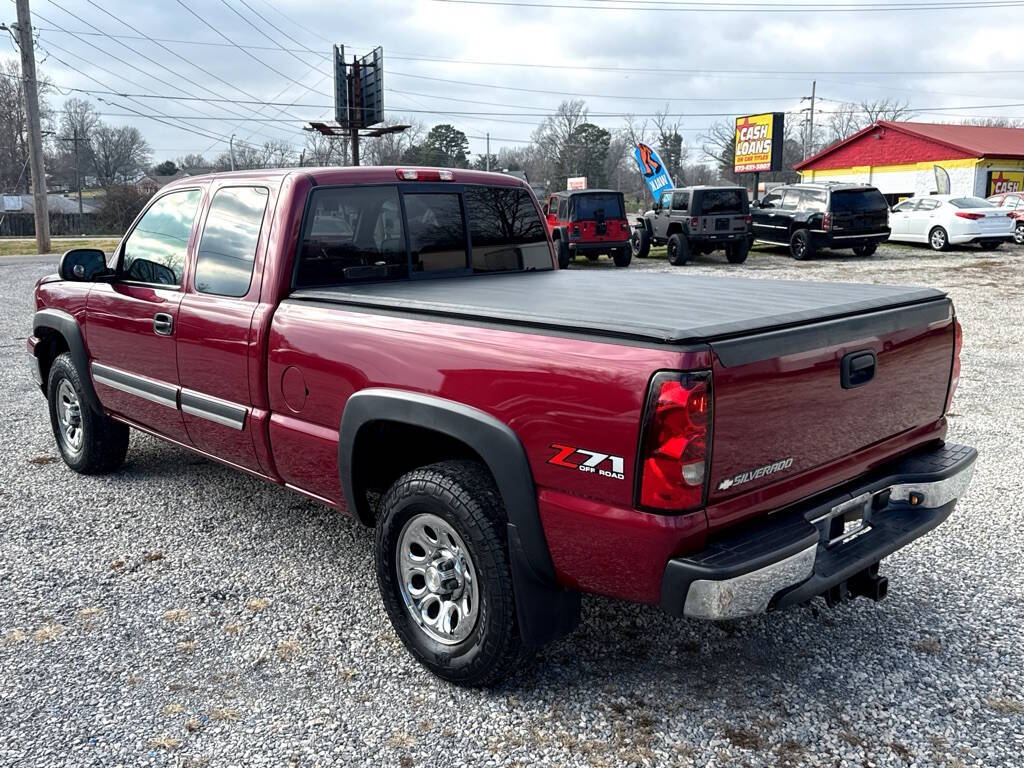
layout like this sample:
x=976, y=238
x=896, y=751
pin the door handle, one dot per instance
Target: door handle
x=163, y=324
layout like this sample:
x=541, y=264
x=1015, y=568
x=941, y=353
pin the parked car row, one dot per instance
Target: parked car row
x=805, y=217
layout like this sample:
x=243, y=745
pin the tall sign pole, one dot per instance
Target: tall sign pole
x=35, y=134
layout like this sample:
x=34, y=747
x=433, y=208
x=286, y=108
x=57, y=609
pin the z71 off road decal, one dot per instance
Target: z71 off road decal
x=754, y=474
x=602, y=464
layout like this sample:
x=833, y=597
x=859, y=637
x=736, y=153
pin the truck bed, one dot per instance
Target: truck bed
x=659, y=308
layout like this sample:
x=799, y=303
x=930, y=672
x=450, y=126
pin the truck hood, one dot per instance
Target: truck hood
x=658, y=308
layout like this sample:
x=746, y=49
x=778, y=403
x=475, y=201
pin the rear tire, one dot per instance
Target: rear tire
x=737, y=253
x=938, y=239
x=866, y=250
x=800, y=246
x=640, y=242
x=678, y=250
x=989, y=245
x=443, y=572
x=1018, y=233
x=622, y=257
x=90, y=442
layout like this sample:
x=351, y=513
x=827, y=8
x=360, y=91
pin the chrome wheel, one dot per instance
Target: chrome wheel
x=69, y=416
x=437, y=579
x=1018, y=234
x=938, y=239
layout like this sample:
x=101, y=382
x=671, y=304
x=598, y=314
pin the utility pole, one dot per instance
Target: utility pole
x=35, y=135
x=75, y=138
x=231, y=150
x=487, y=162
x=809, y=133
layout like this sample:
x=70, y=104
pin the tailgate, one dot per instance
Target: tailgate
x=606, y=230
x=782, y=407
x=857, y=222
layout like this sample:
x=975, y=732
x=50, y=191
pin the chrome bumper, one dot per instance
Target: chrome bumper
x=742, y=578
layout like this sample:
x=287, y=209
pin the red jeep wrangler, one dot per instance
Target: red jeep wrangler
x=399, y=344
x=594, y=221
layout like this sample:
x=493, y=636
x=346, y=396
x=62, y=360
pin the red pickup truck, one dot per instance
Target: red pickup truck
x=399, y=344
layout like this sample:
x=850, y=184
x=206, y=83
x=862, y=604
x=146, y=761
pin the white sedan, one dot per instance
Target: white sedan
x=944, y=220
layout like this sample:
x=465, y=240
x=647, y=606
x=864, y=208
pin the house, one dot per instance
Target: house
x=900, y=158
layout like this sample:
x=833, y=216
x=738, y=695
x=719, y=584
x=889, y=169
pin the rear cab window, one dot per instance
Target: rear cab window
x=381, y=233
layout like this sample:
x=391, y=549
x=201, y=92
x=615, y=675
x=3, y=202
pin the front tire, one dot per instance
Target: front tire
x=800, y=246
x=1018, y=233
x=90, y=442
x=678, y=250
x=443, y=572
x=938, y=239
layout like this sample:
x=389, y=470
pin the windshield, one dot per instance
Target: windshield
x=716, y=201
x=608, y=205
x=970, y=202
x=857, y=200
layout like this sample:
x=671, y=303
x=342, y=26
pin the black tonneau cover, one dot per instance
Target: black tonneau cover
x=652, y=307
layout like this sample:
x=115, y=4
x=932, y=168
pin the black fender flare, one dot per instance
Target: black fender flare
x=545, y=610
x=63, y=323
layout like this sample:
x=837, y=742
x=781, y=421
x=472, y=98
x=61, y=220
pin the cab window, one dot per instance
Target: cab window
x=680, y=201
x=771, y=200
x=155, y=251
x=666, y=201
x=228, y=245
x=906, y=206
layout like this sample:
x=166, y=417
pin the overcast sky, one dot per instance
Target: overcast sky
x=777, y=55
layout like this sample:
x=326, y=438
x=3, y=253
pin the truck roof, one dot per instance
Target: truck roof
x=364, y=174
x=572, y=192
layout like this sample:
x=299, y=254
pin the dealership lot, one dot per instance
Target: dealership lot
x=178, y=613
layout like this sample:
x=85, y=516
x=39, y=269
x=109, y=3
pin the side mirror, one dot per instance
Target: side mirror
x=83, y=265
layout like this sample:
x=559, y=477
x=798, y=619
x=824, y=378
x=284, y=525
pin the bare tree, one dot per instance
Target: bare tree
x=843, y=122
x=389, y=148
x=192, y=162
x=14, y=173
x=884, y=109
x=119, y=153
x=670, y=144
x=556, y=140
x=77, y=122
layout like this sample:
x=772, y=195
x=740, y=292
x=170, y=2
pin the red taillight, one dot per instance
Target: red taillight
x=694, y=221
x=954, y=376
x=749, y=218
x=425, y=174
x=826, y=222
x=971, y=216
x=675, y=441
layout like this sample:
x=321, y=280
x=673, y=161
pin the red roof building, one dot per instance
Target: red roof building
x=901, y=158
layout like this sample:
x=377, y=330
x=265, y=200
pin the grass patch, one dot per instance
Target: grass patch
x=27, y=246
x=927, y=645
x=1006, y=706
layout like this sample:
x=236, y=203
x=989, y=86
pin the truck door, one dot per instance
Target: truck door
x=131, y=322
x=661, y=216
x=217, y=355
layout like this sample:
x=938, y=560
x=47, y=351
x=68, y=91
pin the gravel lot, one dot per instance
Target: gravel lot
x=177, y=613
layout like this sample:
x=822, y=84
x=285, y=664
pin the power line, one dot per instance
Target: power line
x=727, y=8
x=205, y=71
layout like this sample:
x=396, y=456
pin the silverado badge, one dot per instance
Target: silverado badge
x=754, y=474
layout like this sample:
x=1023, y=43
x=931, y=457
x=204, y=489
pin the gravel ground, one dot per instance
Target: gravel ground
x=177, y=613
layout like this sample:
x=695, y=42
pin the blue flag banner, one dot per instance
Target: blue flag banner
x=652, y=169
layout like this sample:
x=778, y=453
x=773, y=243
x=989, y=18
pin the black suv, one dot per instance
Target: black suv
x=696, y=220
x=810, y=216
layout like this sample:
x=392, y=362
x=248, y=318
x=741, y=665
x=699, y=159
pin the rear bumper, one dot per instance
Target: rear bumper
x=800, y=553
x=823, y=239
x=977, y=237
x=599, y=247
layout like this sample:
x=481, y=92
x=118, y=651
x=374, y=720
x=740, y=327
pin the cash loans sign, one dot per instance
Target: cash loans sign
x=758, y=143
